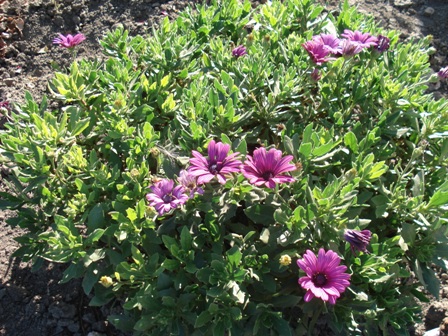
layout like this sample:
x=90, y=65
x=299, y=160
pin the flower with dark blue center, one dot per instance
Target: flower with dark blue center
x=219, y=164
x=165, y=196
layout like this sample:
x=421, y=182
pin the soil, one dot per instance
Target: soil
x=33, y=302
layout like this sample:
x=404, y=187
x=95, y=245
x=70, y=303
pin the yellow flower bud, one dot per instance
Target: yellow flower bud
x=285, y=260
x=106, y=281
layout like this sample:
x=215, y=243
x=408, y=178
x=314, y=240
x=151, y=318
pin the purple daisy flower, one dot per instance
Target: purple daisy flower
x=69, y=41
x=317, y=51
x=165, y=196
x=268, y=167
x=365, y=40
x=350, y=48
x=239, y=51
x=358, y=239
x=443, y=73
x=330, y=42
x=190, y=183
x=383, y=44
x=219, y=163
x=325, y=278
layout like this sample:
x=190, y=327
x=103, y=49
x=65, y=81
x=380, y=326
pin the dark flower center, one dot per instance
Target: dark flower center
x=267, y=175
x=319, y=279
x=167, y=198
x=215, y=168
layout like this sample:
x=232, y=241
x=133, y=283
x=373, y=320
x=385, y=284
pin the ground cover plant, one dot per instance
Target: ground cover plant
x=243, y=171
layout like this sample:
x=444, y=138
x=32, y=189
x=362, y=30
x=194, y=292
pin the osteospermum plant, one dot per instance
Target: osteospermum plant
x=268, y=170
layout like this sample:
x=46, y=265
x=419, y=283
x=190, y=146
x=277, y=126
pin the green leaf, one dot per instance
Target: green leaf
x=80, y=126
x=219, y=329
x=89, y=280
x=432, y=282
x=171, y=264
x=94, y=237
x=351, y=142
x=225, y=139
x=324, y=149
x=261, y=214
x=95, y=218
x=282, y=327
x=203, y=319
x=305, y=149
x=440, y=197
x=285, y=301
x=234, y=255
x=185, y=239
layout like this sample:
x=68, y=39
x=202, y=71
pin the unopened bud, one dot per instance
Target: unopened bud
x=106, y=281
x=285, y=260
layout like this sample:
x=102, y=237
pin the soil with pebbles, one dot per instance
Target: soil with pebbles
x=34, y=303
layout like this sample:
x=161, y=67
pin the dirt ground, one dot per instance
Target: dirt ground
x=33, y=303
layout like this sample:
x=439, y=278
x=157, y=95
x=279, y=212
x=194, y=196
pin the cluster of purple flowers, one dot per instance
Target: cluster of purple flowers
x=266, y=168
x=325, y=278
x=326, y=47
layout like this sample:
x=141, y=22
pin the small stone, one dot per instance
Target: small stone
x=9, y=81
x=76, y=20
x=58, y=21
x=444, y=327
x=429, y=11
x=21, y=45
x=73, y=327
x=445, y=292
x=117, y=25
x=403, y=3
x=94, y=333
x=51, y=12
x=62, y=310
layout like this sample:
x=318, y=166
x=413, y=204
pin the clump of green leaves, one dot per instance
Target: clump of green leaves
x=370, y=146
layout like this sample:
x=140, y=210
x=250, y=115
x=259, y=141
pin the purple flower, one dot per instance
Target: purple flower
x=165, y=196
x=330, y=42
x=365, y=40
x=189, y=182
x=443, y=73
x=325, y=278
x=69, y=41
x=350, y=48
x=317, y=51
x=267, y=167
x=383, y=44
x=239, y=51
x=358, y=239
x=219, y=163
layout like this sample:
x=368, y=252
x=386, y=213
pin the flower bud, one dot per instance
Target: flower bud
x=106, y=281
x=285, y=260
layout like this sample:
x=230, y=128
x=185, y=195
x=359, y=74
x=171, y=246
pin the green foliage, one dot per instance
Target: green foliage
x=371, y=147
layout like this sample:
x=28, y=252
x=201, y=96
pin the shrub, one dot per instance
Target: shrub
x=195, y=174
